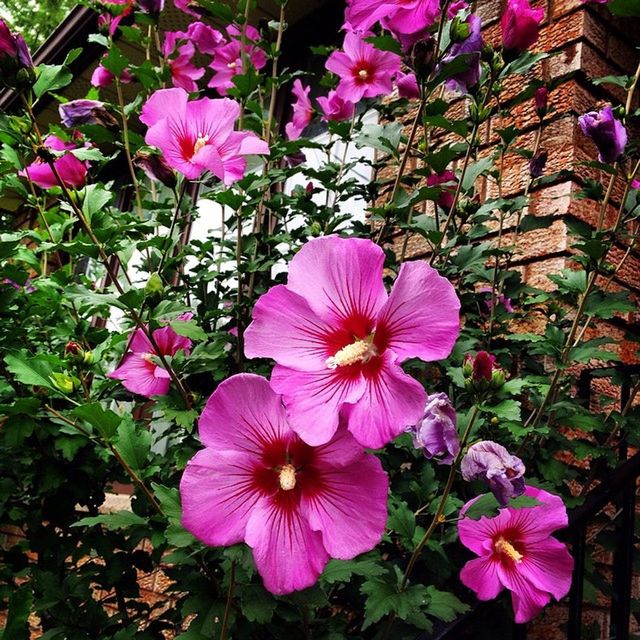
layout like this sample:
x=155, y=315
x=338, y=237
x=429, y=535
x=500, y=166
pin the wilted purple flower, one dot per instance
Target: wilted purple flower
x=470, y=47
x=436, y=433
x=153, y=7
x=492, y=463
x=407, y=85
x=77, y=112
x=500, y=299
x=537, y=164
x=156, y=168
x=608, y=133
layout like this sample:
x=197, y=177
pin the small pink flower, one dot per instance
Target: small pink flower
x=635, y=184
x=183, y=72
x=198, y=136
x=520, y=25
x=448, y=179
x=295, y=505
x=407, y=85
x=338, y=339
x=500, y=299
x=120, y=9
x=206, y=38
x=335, y=108
x=302, y=111
x=188, y=7
x=138, y=371
x=455, y=7
x=517, y=552
x=364, y=71
x=102, y=77
x=227, y=60
x=72, y=172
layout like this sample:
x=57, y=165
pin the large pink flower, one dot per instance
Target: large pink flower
x=402, y=17
x=339, y=339
x=302, y=111
x=198, y=136
x=364, y=71
x=138, y=371
x=72, y=172
x=516, y=551
x=294, y=505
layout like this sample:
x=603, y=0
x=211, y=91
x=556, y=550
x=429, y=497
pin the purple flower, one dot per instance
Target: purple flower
x=608, y=133
x=335, y=108
x=471, y=48
x=537, y=164
x=407, y=85
x=492, y=463
x=206, y=38
x=27, y=287
x=153, y=7
x=77, y=112
x=16, y=64
x=436, y=433
x=500, y=298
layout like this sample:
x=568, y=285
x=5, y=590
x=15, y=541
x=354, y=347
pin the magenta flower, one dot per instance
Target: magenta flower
x=72, y=172
x=407, y=85
x=436, y=433
x=14, y=48
x=541, y=99
x=365, y=72
x=608, y=133
x=339, y=339
x=517, y=552
x=227, y=60
x=140, y=371
x=399, y=16
x=198, y=136
x=492, y=463
x=102, y=77
x=481, y=365
x=188, y=7
x=635, y=184
x=154, y=7
x=335, y=108
x=302, y=111
x=520, y=25
x=500, y=299
x=120, y=9
x=294, y=505
x=183, y=72
x=206, y=38
x=455, y=7
x=448, y=179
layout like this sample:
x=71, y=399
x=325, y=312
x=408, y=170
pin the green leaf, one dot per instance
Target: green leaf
x=383, y=597
x=444, y=605
x=402, y=520
x=133, y=445
x=385, y=43
x=95, y=199
x=113, y=521
x=104, y=420
x=51, y=77
x=384, y=137
x=474, y=170
x=17, y=622
x=487, y=505
x=30, y=370
x=169, y=500
x=506, y=410
x=257, y=604
x=188, y=329
x=342, y=570
x=115, y=61
x=605, y=305
x=625, y=8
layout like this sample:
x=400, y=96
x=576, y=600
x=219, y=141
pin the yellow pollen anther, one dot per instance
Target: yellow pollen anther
x=232, y=65
x=358, y=351
x=200, y=142
x=287, y=477
x=363, y=73
x=505, y=547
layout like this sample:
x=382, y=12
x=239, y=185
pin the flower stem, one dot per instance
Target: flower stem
x=229, y=602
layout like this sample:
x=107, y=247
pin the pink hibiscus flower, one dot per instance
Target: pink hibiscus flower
x=227, y=61
x=73, y=172
x=338, y=339
x=294, y=505
x=365, y=72
x=399, y=16
x=183, y=72
x=139, y=372
x=198, y=136
x=335, y=108
x=302, y=111
x=516, y=551
x=206, y=38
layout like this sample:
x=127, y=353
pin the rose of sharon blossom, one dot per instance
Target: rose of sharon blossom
x=295, y=505
x=338, y=339
x=516, y=551
x=492, y=463
x=138, y=371
x=183, y=72
x=407, y=85
x=188, y=7
x=436, y=434
x=72, y=172
x=198, y=136
x=13, y=49
x=608, y=133
x=402, y=17
x=364, y=71
x=335, y=108
x=206, y=38
x=520, y=25
x=79, y=112
x=102, y=77
x=471, y=47
x=445, y=199
x=302, y=111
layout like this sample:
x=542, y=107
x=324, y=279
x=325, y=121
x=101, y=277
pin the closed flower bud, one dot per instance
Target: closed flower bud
x=481, y=373
x=541, y=98
x=537, y=164
x=79, y=112
x=154, y=7
x=422, y=57
x=459, y=30
x=156, y=168
x=608, y=133
x=65, y=383
x=16, y=65
x=520, y=25
x=154, y=286
x=502, y=472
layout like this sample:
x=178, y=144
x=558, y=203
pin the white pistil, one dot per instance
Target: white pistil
x=363, y=74
x=200, y=142
x=358, y=351
x=232, y=65
x=287, y=477
x=505, y=547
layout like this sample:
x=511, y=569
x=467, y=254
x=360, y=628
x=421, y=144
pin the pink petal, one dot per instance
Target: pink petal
x=217, y=495
x=527, y=600
x=340, y=63
x=139, y=376
x=288, y=554
x=215, y=118
x=391, y=401
x=243, y=414
x=286, y=329
x=169, y=342
x=208, y=158
x=548, y=565
x=537, y=523
x=478, y=535
x=351, y=508
x=140, y=342
x=481, y=576
x=314, y=399
x=422, y=316
x=340, y=278
x=164, y=103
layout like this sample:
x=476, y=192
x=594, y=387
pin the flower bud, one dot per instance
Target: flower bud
x=541, y=98
x=16, y=65
x=156, y=168
x=154, y=7
x=537, y=164
x=78, y=112
x=481, y=373
x=154, y=286
x=422, y=57
x=64, y=383
x=459, y=30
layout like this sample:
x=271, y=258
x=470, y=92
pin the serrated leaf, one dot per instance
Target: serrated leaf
x=257, y=604
x=51, y=77
x=444, y=605
x=132, y=444
x=104, y=420
x=30, y=370
x=169, y=500
x=189, y=329
x=342, y=570
x=113, y=521
x=487, y=505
